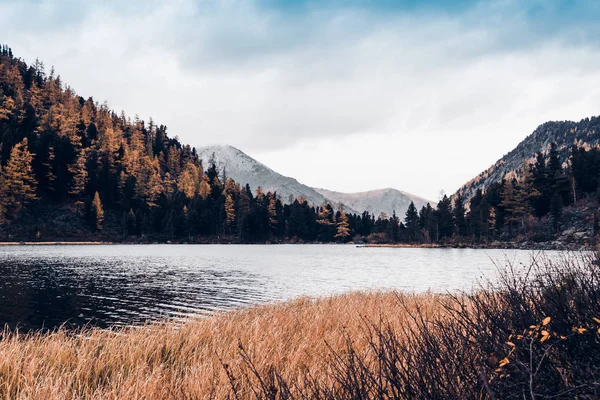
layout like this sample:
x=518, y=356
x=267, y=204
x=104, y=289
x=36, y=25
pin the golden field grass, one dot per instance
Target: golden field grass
x=185, y=361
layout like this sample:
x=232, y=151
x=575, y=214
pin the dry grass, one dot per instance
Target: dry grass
x=186, y=361
x=533, y=334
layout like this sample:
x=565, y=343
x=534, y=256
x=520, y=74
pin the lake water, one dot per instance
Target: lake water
x=46, y=286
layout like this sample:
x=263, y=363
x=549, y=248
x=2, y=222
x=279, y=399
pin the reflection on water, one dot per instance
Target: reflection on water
x=47, y=286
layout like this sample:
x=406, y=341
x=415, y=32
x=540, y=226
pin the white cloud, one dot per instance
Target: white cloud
x=341, y=98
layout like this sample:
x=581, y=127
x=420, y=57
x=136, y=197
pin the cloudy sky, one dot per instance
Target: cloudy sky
x=349, y=95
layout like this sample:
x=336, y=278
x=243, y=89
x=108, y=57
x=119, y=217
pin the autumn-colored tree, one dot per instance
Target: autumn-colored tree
x=173, y=161
x=121, y=184
x=18, y=180
x=108, y=148
x=168, y=185
x=190, y=180
x=325, y=216
x=149, y=183
x=231, y=187
x=79, y=174
x=343, y=227
x=97, y=212
x=229, y=211
x=50, y=175
x=272, y=209
x=204, y=190
x=492, y=221
x=158, y=186
x=7, y=104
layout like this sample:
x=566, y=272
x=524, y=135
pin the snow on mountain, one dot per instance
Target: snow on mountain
x=377, y=201
x=244, y=169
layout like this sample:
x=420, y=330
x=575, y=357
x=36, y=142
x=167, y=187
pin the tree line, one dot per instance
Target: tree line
x=127, y=178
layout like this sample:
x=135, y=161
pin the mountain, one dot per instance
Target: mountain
x=243, y=168
x=376, y=201
x=565, y=134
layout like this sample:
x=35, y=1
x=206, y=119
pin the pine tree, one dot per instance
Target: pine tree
x=393, y=228
x=411, y=221
x=49, y=166
x=556, y=211
x=260, y=194
x=459, y=216
x=540, y=183
x=79, y=174
x=427, y=222
x=121, y=184
x=325, y=215
x=229, y=211
x=343, y=227
x=19, y=182
x=510, y=205
x=492, y=221
x=190, y=180
x=554, y=166
x=97, y=212
x=273, y=211
x=443, y=213
x=205, y=190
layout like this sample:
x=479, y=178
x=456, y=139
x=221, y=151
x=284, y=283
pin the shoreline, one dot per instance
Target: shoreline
x=55, y=243
x=497, y=245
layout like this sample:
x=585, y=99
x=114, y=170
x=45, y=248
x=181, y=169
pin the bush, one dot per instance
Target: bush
x=533, y=334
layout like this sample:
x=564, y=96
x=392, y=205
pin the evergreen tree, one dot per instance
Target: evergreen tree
x=97, y=212
x=445, y=225
x=229, y=211
x=539, y=175
x=343, y=227
x=459, y=216
x=427, y=223
x=510, y=205
x=393, y=228
x=492, y=221
x=556, y=211
x=273, y=221
x=411, y=222
x=18, y=181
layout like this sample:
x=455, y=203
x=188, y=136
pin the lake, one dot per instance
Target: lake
x=108, y=285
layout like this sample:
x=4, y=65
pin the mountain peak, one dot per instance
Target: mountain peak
x=563, y=133
x=245, y=169
x=387, y=200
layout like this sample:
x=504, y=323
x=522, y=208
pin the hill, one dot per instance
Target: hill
x=375, y=202
x=243, y=168
x=565, y=134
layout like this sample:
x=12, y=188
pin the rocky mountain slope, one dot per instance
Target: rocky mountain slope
x=376, y=201
x=564, y=133
x=245, y=169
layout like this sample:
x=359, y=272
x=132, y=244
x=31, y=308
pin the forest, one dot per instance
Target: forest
x=71, y=168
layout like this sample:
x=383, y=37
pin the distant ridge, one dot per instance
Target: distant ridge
x=245, y=169
x=565, y=134
x=387, y=200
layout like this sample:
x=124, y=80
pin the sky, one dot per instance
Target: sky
x=349, y=95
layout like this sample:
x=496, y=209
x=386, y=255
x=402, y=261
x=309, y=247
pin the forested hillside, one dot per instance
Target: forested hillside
x=564, y=135
x=74, y=169
x=243, y=168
